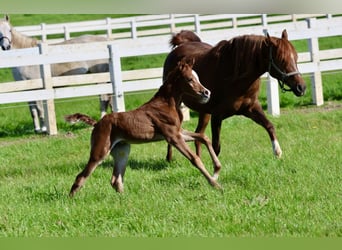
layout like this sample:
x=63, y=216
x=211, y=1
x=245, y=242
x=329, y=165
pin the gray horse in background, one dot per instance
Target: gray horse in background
x=12, y=39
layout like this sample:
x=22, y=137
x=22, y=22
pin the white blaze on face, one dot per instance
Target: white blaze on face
x=294, y=64
x=195, y=75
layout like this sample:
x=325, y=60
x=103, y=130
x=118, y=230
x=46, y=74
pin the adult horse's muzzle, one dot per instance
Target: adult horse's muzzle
x=5, y=43
x=299, y=90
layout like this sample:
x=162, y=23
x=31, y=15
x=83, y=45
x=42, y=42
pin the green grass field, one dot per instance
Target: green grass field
x=299, y=195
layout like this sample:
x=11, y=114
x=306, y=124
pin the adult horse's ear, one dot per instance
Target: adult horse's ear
x=268, y=38
x=284, y=35
x=7, y=18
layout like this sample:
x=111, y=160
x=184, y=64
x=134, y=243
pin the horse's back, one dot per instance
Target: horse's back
x=194, y=50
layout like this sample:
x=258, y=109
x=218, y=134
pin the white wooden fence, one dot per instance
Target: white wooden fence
x=50, y=88
x=147, y=25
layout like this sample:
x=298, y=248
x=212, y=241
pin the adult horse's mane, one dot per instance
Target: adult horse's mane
x=242, y=54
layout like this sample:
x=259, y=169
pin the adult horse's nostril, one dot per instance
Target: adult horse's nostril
x=301, y=88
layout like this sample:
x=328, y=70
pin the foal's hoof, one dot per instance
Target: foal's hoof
x=118, y=187
x=215, y=184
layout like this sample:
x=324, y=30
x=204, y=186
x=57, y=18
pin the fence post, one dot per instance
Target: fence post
x=197, y=24
x=264, y=20
x=273, y=106
x=316, y=76
x=134, y=29
x=43, y=29
x=172, y=23
x=66, y=32
x=109, y=27
x=49, y=105
x=118, y=101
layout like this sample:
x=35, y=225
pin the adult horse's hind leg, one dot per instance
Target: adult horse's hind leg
x=120, y=153
x=105, y=102
x=37, y=114
x=257, y=114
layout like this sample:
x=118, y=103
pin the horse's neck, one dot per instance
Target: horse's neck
x=250, y=60
x=20, y=41
x=167, y=95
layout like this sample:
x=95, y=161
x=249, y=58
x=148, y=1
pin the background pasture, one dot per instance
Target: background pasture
x=298, y=195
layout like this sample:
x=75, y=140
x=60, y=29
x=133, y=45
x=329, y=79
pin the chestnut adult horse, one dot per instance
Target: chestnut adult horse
x=231, y=70
x=158, y=119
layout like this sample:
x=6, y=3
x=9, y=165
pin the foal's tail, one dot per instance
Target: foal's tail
x=182, y=37
x=80, y=118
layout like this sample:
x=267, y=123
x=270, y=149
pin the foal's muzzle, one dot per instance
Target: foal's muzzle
x=205, y=96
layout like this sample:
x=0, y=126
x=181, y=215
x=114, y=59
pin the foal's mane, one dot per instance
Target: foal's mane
x=243, y=54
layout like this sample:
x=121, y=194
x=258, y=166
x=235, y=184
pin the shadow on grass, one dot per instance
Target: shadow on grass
x=135, y=164
x=26, y=129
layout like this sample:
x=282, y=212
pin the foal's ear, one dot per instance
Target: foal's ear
x=190, y=62
x=186, y=61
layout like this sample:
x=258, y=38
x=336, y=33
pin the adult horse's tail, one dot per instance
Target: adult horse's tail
x=182, y=37
x=80, y=118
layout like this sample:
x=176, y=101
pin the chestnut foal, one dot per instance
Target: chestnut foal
x=156, y=120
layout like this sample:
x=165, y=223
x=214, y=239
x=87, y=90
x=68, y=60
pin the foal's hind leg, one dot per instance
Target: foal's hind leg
x=257, y=114
x=120, y=153
x=100, y=142
x=81, y=177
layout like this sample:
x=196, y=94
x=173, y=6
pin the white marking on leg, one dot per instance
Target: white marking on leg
x=276, y=148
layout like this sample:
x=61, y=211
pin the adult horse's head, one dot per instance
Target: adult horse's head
x=185, y=81
x=283, y=64
x=5, y=34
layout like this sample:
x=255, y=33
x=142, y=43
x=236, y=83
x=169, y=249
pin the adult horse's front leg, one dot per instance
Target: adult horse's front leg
x=216, y=123
x=257, y=114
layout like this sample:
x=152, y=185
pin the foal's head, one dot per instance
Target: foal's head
x=183, y=80
x=283, y=64
x=5, y=34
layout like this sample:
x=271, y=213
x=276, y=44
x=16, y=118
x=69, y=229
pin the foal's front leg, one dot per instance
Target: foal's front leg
x=202, y=138
x=178, y=142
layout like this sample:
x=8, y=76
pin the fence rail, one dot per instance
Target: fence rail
x=147, y=25
x=50, y=88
